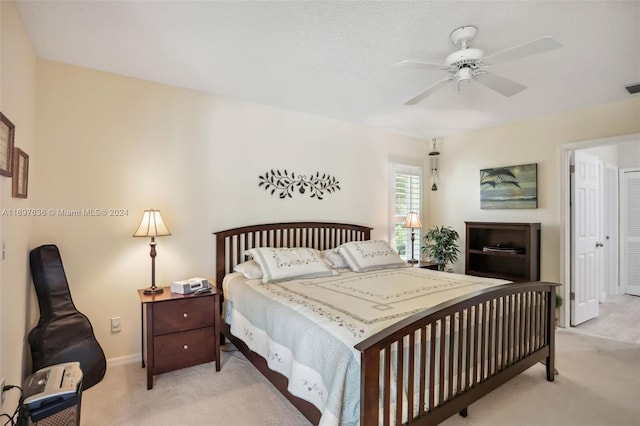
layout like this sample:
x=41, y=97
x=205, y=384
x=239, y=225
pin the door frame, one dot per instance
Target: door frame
x=565, y=152
x=611, y=212
x=624, y=280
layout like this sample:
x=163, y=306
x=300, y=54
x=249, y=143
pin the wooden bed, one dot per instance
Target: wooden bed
x=452, y=354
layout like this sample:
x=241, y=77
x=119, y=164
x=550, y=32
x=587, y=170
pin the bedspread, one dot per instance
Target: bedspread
x=306, y=329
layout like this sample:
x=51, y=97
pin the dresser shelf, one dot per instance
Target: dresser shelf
x=520, y=260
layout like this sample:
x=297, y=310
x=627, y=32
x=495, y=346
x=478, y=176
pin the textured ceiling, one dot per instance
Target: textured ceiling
x=336, y=58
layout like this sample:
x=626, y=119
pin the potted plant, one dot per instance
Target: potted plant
x=441, y=245
x=559, y=301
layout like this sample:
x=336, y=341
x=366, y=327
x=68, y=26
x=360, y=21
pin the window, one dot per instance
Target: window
x=405, y=196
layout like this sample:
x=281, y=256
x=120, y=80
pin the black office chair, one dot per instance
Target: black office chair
x=63, y=334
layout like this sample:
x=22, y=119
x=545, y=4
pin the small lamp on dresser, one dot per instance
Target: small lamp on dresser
x=412, y=221
x=152, y=226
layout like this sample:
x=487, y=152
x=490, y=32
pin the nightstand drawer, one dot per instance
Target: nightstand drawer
x=181, y=315
x=179, y=350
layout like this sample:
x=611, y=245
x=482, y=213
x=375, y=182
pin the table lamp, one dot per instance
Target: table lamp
x=152, y=226
x=412, y=221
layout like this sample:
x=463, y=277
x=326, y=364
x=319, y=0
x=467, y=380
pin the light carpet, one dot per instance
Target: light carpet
x=598, y=383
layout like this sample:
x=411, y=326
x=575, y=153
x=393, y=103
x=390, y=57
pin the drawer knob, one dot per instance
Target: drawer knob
x=185, y=347
x=185, y=315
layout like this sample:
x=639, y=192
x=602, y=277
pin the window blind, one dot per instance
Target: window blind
x=406, y=196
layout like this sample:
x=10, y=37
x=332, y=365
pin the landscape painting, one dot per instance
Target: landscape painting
x=513, y=187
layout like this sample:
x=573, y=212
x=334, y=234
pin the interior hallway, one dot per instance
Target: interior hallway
x=619, y=318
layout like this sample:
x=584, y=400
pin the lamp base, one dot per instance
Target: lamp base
x=153, y=290
x=412, y=261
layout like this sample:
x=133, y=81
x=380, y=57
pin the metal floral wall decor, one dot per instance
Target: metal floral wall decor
x=286, y=184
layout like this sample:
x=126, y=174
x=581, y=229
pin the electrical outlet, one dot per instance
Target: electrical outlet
x=2, y=391
x=115, y=324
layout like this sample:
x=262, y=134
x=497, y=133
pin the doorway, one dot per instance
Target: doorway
x=624, y=144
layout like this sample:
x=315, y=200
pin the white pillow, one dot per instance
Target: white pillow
x=363, y=256
x=334, y=258
x=250, y=269
x=279, y=264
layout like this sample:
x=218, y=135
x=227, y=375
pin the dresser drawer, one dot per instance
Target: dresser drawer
x=184, y=349
x=183, y=314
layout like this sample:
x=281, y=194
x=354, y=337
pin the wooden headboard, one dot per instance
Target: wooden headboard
x=232, y=243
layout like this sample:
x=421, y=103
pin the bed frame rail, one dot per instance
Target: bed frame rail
x=443, y=359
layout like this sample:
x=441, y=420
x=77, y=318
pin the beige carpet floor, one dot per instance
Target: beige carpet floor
x=598, y=384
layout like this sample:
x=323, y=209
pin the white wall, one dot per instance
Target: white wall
x=629, y=155
x=108, y=141
x=17, y=102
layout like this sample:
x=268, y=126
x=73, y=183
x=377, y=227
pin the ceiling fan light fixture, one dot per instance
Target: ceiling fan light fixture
x=465, y=74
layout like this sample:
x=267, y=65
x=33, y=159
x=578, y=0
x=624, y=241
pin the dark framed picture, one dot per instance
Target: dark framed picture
x=20, y=173
x=513, y=187
x=7, y=133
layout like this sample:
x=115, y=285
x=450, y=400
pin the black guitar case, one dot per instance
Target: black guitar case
x=63, y=334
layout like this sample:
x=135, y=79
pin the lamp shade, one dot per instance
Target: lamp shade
x=152, y=225
x=412, y=221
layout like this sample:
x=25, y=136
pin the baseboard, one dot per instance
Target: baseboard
x=122, y=360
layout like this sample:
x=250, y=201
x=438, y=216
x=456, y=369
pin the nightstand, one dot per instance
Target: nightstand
x=179, y=330
x=426, y=265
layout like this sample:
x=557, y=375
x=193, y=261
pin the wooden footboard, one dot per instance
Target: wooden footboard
x=436, y=363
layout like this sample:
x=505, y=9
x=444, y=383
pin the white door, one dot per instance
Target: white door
x=630, y=231
x=585, y=217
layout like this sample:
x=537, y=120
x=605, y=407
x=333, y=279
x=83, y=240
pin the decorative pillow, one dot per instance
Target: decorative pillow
x=334, y=258
x=250, y=269
x=363, y=256
x=278, y=264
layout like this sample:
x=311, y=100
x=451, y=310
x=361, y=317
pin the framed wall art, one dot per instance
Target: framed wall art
x=7, y=133
x=20, y=173
x=513, y=187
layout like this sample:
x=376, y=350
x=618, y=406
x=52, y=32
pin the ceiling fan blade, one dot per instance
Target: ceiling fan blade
x=534, y=47
x=502, y=85
x=419, y=64
x=426, y=92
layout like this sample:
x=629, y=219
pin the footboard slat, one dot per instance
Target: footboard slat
x=441, y=357
x=467, y=367
x=477, y=336
x=466, y=347
x=460, y=343
x=399, y=380
x=450, y=360
x=423, y=368
x=432, y=366
x=411, y=373
x=386, y=412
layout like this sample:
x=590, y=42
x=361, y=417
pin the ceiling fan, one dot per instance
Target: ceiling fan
x=469, y=64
